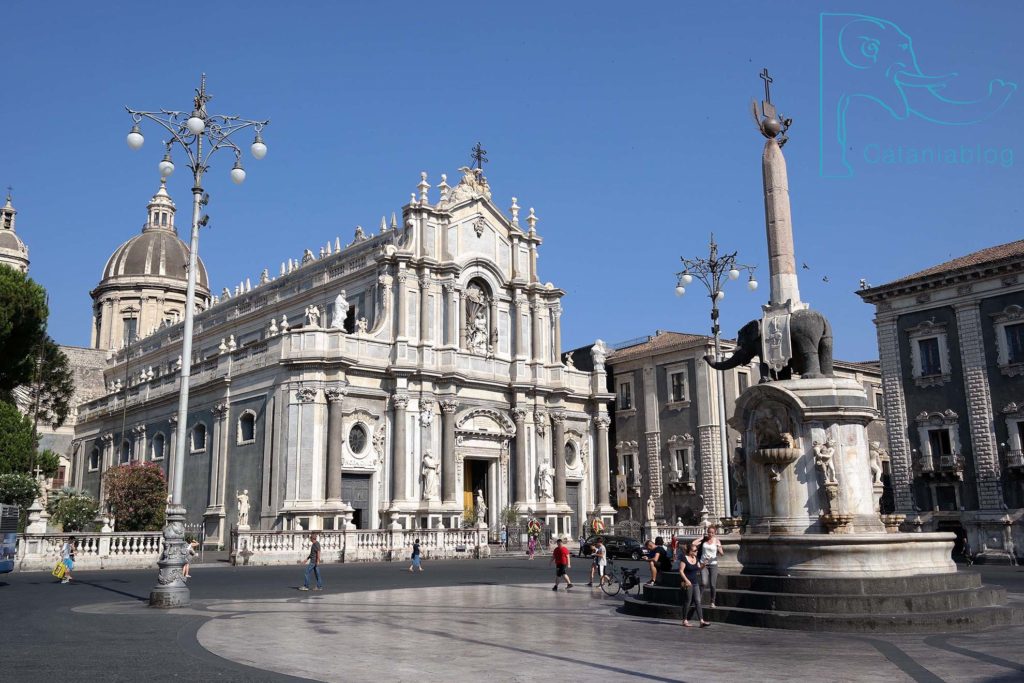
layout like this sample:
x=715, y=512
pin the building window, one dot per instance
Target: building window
x=880, y=402
x=130, y=328
x=157, y=447
x=939, y=441
x=1015, y=342
x=246, y=431
x=931, y=363
x=929, y=353
x=357, y=439
x=678, y=385
x=743, y=381
x=94, y=460
x=625, y=396
x=126, y=452
x=680, y=458
x=570, y=453
x=939, y=438
x=199, y=438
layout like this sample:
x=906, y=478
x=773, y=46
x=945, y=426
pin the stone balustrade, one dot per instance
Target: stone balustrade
x=260, y=548
x=118, y=550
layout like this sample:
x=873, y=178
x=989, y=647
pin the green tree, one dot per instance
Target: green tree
x=74, y=510
x=18, y=439
x=48, y=395
x=22, y=327
x=19, y=489
x=137, y=496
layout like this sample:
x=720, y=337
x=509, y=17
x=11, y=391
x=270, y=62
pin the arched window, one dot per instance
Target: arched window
x=126, y=452
x=199, y=438
x=94, y=460
x=157, y=449
x=570, y=453
x=357, y=439
x=246, y=432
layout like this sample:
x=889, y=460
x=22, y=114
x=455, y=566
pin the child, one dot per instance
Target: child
x=192, y=545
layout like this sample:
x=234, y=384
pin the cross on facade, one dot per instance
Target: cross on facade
x=9, y=191
x=767, y=84
x=479, y=155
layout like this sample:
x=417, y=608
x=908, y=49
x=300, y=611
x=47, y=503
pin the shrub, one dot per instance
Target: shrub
x=136, y=496
x=73, y=510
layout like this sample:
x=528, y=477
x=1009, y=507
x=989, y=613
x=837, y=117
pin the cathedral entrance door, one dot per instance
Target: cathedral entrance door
x=355, y=490
x=572, y=497
x=474, y=478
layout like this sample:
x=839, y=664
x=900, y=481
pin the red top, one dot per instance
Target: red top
x=561, y=555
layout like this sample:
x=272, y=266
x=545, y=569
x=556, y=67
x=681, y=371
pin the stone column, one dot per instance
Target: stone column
x=602, y=465
x=538, y=342
x=399, y=492
x=452, y=321
x=900, y=464
x=778, y=219
x=979, y=406
x=335, y=444
x=522, y=478
x=425, y=315
x=558, y=456
x=522, y=334
x=403, y=298
x=449, y=473
x=216, y=443
x=556, y=342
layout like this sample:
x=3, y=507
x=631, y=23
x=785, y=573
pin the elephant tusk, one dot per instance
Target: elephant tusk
x=919, y=80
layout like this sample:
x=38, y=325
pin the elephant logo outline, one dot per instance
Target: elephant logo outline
x=873, y=58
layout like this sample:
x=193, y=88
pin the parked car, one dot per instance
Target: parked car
x=617, y=546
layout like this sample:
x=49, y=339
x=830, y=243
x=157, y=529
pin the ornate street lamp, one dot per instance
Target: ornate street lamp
x=713, y=272
x=199, y=134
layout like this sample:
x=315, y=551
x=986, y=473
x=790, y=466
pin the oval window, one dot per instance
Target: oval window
x=570, y=453
x=357, y=438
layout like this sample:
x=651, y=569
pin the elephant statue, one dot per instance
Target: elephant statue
x=871, y=58
x=811, y=337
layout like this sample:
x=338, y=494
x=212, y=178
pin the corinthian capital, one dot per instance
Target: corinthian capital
x=399, y=401
x=518, y=415
x=602, y=422
x=448, y=407
x=335, y=394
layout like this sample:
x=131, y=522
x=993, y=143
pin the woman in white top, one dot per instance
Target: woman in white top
x=600, y=562
x=711, y=550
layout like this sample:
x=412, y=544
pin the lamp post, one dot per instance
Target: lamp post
x=713, y=272
x=199, y=134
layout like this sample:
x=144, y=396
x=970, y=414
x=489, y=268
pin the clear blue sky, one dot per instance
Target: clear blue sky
x=626, y=125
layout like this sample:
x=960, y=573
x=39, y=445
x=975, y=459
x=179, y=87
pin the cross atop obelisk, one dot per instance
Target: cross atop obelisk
x=785, y=291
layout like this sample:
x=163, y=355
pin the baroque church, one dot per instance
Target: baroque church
x=412, y=378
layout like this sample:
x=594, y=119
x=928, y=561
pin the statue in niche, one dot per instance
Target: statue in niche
x=430, y=479
x=312, y=315
x=481, y=506
x=823, y=454
x=771, y=431
x=477, y=323
x=652, y=510
x=545, y=480
x=242, y=500
x=340, y=311
x=875, y=463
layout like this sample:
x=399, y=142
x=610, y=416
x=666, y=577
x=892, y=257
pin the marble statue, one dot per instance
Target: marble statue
x=361, y=325
x=545, y=480
x=651, y=509
x=430, y=479
x=875, y=462
x=823, y=453
x=313, y=315
x=340, y=311
x=242, y=499
x=569, y=362
x=284, y=323
x=273, y=327
x=599, y=352
x=481, y=506
x=478, y=332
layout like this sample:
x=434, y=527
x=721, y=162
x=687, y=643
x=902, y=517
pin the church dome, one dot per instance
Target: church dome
x=157, y=253
x=13, y=251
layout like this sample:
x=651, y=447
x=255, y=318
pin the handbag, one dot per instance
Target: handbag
x=59, y=569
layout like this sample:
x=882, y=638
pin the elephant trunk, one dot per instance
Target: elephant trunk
x=741, y=356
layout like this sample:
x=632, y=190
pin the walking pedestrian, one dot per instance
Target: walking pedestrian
x=67, y=556
x=531, y=546
x=710, y=550
x=563, y=563
x=312, y=565
x=416, y=557
x=689, y=574
x=659, y=558
x=600, y=561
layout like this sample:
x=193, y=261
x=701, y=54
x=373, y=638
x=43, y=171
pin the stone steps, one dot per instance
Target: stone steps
x=930, y=603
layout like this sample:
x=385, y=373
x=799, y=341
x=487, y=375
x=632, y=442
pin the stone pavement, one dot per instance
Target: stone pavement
x=487, y=630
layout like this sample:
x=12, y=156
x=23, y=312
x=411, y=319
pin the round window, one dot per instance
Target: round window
x=357, y=438
x=570, y=453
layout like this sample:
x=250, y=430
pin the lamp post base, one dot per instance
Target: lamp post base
x=171, y=589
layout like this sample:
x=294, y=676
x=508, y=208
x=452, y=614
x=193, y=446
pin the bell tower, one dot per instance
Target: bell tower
x=13, y=252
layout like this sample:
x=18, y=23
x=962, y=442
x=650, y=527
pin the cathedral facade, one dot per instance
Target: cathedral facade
x=410, y=378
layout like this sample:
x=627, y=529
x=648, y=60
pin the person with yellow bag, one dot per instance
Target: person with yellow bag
x=67, y=558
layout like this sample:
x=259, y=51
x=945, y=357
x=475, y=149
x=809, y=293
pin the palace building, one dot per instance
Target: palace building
x=410, y=378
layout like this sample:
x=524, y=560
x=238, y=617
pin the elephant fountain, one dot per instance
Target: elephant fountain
x=811, y=338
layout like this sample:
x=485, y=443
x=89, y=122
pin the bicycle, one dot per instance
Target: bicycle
x=621, y=578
